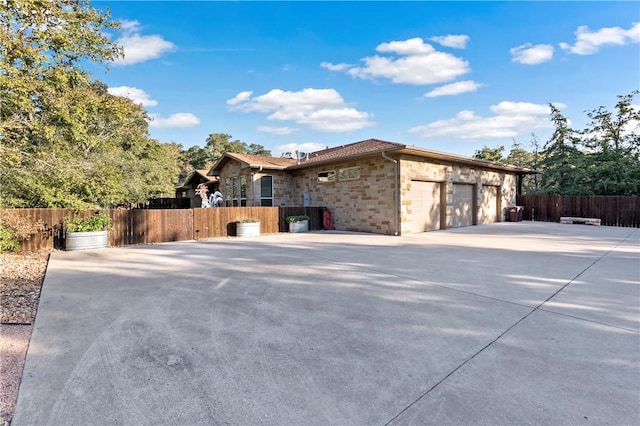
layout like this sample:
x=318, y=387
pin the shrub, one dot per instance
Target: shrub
x=97, y=222
x=14, y=229
x=249, y=220
x=297, y=218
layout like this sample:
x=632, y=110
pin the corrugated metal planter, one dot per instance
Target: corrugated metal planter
x=87, y=240
x=248, y=229
x=300, y=226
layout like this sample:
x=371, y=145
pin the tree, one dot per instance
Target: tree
x=562, y=159
x=490, y=154
x=612, y=142
x=65, y=141
x=216, y=145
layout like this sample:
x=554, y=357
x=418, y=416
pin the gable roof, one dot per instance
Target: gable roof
x=253, y=161
x=356, y=150
x=195, y=178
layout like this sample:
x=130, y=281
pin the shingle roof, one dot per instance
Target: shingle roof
x=356, y=149
x=259, y=160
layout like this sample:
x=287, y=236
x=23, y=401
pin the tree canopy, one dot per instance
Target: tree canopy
x=65, y=141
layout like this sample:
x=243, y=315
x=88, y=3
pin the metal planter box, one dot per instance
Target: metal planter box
x=87, y=240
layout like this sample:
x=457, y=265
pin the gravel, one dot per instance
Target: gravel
x=20, y=284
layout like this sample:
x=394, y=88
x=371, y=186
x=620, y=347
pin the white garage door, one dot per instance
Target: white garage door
x=425, y=206
x=489, y=204
x=462, y=205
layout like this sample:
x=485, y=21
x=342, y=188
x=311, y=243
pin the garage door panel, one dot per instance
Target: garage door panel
x=462, y=205
x=425, y=206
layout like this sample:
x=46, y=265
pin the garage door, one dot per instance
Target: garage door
x=489, y=204
x=425, y=206
x=462, y=214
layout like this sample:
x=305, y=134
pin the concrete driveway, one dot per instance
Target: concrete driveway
x=509, y=323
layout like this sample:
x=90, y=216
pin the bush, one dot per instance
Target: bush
x=14, y=229
x=249, y=220
x=97, y=222
x=8, y=240
x=297, y=218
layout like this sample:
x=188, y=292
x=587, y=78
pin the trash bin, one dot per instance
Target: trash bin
x=516, y=213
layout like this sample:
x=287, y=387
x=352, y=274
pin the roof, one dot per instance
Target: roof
x=356, y=150
x=196, y=177
x=253, y=161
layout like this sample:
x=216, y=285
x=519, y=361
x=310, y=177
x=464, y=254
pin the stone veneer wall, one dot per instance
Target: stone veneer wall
x=450, y=173
x=365, y=204
x=282, y=184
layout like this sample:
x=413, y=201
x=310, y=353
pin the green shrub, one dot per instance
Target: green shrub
x=97, y=222
x=249, y=220
x=8, y=240
x=297, y=218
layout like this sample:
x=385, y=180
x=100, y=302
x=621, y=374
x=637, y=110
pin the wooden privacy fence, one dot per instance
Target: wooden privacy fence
x=611, y=210
x=148, y=226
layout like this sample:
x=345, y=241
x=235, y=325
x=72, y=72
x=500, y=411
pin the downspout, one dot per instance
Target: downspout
x=395, y=193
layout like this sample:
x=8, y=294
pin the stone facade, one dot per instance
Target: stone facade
x=362, y=193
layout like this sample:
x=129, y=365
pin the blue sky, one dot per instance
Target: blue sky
x=449, y=76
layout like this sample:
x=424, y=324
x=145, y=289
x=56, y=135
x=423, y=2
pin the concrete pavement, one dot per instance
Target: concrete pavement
x=509, y=323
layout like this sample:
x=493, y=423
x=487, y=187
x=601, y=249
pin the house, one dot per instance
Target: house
x=376, y=186
x=187, y=189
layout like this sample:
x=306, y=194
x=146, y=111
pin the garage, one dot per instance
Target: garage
x=462, y=205
x=489, y=204
x=425, y=206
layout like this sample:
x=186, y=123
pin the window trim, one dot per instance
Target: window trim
x=342, y=171
x=329, y=178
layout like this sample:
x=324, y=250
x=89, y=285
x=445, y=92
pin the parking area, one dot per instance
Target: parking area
x=508, y=323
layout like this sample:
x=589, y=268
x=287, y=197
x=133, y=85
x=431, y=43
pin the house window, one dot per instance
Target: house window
x=234, y=191
x=266, y=191
x=228, y=191
x=243, y=191
x=327, y=176
x=349, y=173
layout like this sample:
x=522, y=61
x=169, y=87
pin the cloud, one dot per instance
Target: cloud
x=280, y=131
x=138, y=96
x=415, y=62
x=181, y=119
x=454, y=41
x=454, y=89
x=511, y=119
x=140, y=48
x=530, y=55
x=335, y=67
x=320, y=109
x=588, y=42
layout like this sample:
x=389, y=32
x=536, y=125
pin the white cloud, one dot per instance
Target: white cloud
x=588, y=42
x=335, y=67
x=454, y=41
x=300, y=147
x=280, y=131
x=418, y=63
x=138, y=96
x=454, y=89
x=140, y=48
x=320, y=109
x=530, y=55
x=511, y=119
x=181, y=119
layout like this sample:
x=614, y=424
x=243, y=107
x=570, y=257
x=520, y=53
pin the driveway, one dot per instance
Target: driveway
x=509, y=323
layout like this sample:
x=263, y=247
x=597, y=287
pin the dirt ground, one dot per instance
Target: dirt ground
x=20, y=285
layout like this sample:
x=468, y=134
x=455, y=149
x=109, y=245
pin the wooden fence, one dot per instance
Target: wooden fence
x=611, y=210
x=148, y=226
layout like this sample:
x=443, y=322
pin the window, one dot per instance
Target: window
x=243, y=191
x=349, y=173
x=266, y=191
x=327, y=176
x=234, y=191
x=227, y=191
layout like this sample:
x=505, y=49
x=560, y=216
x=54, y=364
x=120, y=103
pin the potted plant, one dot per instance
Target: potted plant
x=88, y=233
x=249, y=227
x=298, y=223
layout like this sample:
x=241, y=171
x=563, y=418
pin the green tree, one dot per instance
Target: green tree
x=490, y=154
x=562, y=160
x=612, y=141
x=216, y=145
